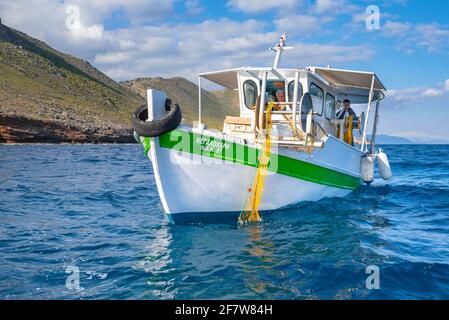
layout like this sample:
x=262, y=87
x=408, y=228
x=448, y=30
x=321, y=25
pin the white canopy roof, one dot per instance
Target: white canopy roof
x=349, y=78
x=353, y=85
x=226, y=78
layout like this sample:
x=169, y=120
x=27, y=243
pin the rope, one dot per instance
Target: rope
x=348, y=132
x=250, y=211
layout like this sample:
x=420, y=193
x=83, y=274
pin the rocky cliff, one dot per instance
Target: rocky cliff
x=49, y=96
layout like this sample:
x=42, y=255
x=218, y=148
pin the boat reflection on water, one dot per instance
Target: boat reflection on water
x=262, y=251
x=158, y=264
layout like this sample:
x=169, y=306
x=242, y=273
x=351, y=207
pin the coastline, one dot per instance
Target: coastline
x=21, y=130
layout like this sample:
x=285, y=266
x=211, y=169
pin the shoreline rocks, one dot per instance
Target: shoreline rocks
x=24, y=130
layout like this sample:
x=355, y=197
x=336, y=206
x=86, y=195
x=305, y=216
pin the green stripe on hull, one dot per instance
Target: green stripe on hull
x=145, y=141
x=242, y=154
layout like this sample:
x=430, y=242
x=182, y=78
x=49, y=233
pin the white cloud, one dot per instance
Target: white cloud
x=325, y=54
x=137, y=11
x=432, y=37
x=113, y=57
x=47, y=21
x=358, y=18
x=329, y=8
x=39, y=14
x=94, y=32
x=193, y=7
x=168, y=48
x=298, y=24
x=332, y=8
x=257, y=6
x=432, y=92
x=392, y=28
x=406, y=94
x=326, y=6
x=417, y=94
x=186, y=49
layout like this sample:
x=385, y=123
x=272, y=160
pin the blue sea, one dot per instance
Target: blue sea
x=93, y=212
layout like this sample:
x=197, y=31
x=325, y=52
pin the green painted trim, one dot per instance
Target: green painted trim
x=242, y=154
x=145, y=141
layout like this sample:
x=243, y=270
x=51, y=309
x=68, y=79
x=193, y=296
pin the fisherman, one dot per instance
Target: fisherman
x=343, y=114
x=280, y=96
x=346, y=111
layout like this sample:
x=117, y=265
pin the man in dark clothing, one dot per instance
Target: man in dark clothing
x=346, y=111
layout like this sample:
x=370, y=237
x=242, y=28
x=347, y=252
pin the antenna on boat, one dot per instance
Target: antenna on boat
x=280, y=47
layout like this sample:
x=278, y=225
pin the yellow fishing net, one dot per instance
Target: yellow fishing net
x=250, y=211
x=348, y=132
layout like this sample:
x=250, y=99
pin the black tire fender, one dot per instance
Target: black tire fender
x=156, y=128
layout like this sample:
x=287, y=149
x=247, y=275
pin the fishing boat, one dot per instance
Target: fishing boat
x=290, y=117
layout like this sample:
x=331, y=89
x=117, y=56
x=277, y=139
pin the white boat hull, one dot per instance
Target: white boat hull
x=193, y=181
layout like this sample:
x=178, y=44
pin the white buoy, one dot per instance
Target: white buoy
x=367, y=166
x=384, y=165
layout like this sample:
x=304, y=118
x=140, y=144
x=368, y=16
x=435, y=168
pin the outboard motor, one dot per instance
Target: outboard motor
x=383, y=165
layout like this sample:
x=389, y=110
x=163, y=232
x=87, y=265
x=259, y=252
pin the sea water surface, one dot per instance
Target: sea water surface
x=95, y=209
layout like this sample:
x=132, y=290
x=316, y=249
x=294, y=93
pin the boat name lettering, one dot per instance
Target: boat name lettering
x=211, y=145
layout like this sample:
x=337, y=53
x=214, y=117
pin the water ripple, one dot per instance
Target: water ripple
x=97, y=208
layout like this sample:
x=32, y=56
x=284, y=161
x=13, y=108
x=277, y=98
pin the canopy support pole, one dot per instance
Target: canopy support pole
x=262, y=100
x=295, y=104
x=199, y=103
x=370, y=99
x=376, y=121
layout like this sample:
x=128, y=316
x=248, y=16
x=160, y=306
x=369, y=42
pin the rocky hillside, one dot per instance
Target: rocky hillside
x=216, y=105
x=49, y=96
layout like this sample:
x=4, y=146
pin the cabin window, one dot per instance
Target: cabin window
x=317, y=98
x=250, y=93
x=338, y=106
x=291, y=89
x=329, y=111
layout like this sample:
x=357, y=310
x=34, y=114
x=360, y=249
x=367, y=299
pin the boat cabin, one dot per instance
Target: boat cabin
x=306, y=102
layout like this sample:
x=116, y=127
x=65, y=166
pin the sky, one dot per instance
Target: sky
x=407, y=46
